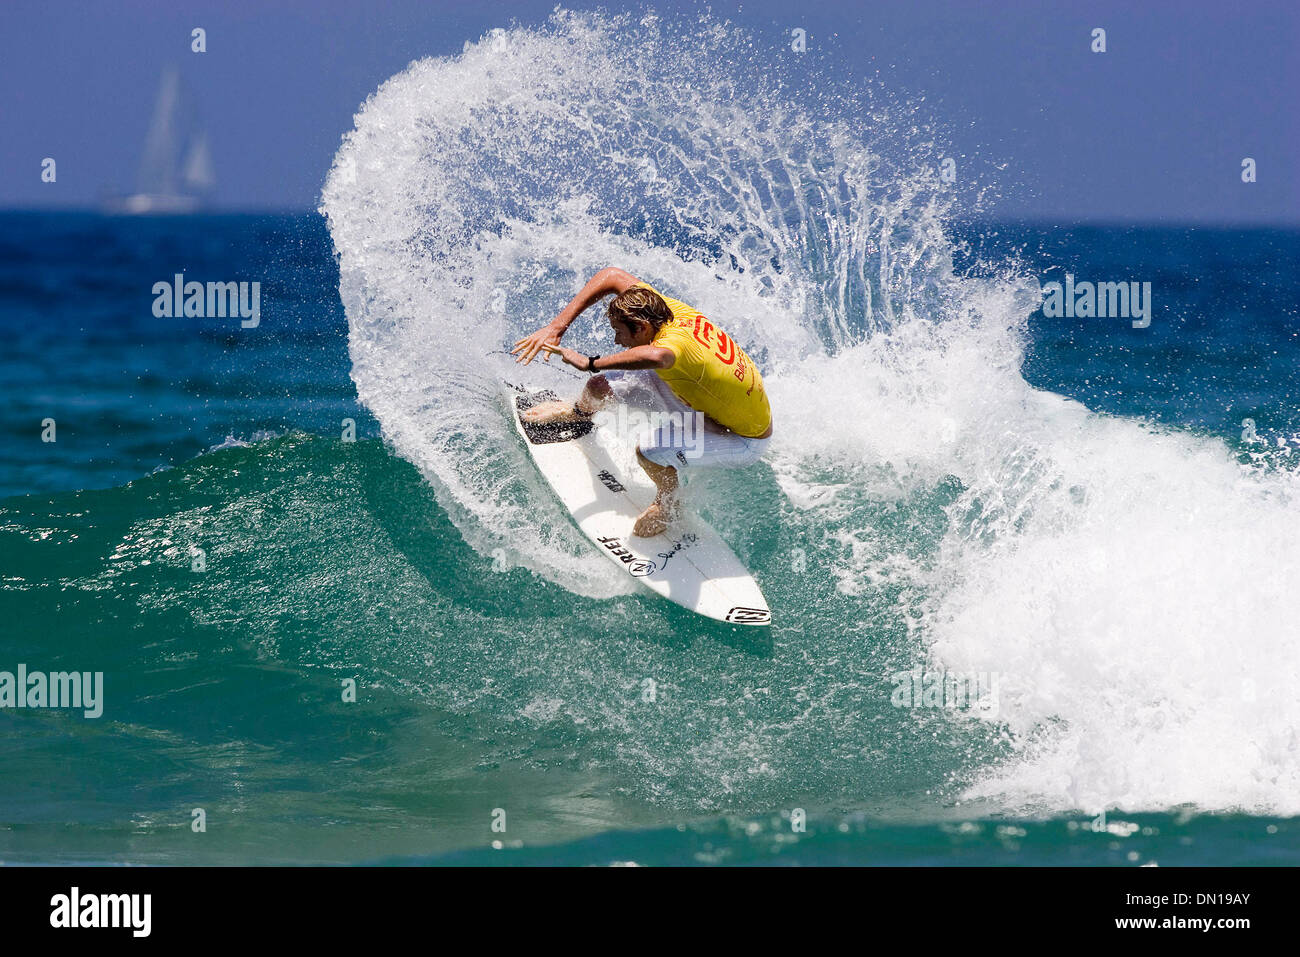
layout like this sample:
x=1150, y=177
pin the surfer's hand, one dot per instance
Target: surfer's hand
x=528, y=347
x=571, y=358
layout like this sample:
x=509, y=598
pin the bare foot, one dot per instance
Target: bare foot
x=654, y=520
x=546, y=413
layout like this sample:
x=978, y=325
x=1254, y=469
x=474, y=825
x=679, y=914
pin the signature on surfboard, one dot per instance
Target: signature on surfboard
x=687, y=540
x=641, y=567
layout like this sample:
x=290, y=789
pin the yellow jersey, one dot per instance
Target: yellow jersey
x=711, y=373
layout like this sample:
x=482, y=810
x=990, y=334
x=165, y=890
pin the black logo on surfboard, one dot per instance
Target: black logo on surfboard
x=749, y=616
x=607, y=479
x=636, y=567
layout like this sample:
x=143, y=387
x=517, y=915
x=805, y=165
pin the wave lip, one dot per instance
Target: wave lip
x=477, y=193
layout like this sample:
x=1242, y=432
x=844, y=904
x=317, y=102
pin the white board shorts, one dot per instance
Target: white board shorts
x=668, y=431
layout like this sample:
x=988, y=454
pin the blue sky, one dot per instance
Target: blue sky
x=1153, y=130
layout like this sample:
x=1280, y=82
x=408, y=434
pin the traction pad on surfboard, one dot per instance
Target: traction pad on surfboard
x=548, y=433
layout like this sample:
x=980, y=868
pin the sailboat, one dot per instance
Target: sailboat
x=171, y=180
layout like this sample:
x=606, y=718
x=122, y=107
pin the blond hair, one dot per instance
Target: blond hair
x=639, y=303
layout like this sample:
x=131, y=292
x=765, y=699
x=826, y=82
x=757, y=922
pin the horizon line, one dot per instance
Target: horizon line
x=991, y=220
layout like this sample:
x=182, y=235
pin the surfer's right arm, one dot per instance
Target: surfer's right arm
x=609, y=281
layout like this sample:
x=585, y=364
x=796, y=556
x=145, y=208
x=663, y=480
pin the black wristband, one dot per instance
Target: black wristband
x=591, y=363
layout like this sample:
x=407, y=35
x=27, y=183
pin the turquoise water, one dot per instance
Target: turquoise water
x=1143, y=840
x=957, y=484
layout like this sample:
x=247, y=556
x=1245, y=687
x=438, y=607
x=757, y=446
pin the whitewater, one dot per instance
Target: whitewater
x=1131, y=584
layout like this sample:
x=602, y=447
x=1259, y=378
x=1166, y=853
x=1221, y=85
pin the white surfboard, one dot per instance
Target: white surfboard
x=688, y=564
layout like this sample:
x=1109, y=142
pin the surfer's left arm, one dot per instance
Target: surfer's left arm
x=609, y=280
x=638, y=357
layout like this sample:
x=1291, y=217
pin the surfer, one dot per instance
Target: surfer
x=694, y=368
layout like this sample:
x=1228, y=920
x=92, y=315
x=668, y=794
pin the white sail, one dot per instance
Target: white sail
x=198, y=165
x=158, y=164
x=168, y=183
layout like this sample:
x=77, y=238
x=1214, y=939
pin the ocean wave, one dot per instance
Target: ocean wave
x=1128, y=583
